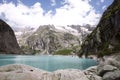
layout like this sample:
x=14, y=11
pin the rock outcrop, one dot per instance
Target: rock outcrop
x=104, y=42
x=105, y=39
x=110, y=69
x=24, y=72
x=8, y=42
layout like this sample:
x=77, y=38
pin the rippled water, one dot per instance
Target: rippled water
x=49, y=63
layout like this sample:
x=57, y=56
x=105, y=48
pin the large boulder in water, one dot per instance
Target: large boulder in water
x=8, y=42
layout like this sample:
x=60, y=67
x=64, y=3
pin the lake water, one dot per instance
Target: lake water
x=49, y=63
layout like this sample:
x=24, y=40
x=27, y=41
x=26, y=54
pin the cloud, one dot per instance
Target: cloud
x=53, y=2
x=72, y=12
x=76, y=12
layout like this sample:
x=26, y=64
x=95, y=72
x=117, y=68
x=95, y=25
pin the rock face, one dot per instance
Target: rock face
x=110, y=69
x=24, y=72
x=8, y=42
x=104, y=42
x=105, y=39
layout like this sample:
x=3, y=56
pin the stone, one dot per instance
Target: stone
x=69, y=74
x=91, y=73
x=92, y=69
x=25, y=72
x=112, y=61
x=114, y=75
x=105, y=68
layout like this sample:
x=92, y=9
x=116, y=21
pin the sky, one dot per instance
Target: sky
x=33, y=13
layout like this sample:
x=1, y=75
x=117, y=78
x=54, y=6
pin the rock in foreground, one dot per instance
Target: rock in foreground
x=110, y=69
x=24, y=72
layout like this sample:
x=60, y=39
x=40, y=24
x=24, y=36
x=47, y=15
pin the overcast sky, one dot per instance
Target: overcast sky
x=32, y=13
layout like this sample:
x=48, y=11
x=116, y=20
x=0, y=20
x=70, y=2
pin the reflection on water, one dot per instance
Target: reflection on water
x=49, y=63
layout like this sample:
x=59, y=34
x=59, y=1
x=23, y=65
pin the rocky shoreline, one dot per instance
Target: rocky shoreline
x=108, y=70
x=25, y=72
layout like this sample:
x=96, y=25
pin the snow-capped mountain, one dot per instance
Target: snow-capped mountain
x=49, y=38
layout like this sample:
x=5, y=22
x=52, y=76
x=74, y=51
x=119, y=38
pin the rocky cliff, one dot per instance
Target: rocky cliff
x=8, y=42
x=105, y=39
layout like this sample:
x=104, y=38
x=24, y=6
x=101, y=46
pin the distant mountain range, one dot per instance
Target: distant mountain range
x=50, y=39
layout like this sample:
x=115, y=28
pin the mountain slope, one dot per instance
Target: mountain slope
x=105, y=39
x=8, y=42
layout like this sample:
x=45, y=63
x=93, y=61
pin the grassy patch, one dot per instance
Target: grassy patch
x=63, y=52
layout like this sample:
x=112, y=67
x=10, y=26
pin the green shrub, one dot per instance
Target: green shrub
x=63, y=52
x=112, y=11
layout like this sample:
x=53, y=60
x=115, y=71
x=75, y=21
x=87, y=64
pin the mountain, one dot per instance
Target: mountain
x=23, y=33
x=50, y=39
x=105, y=38
x=8, y=42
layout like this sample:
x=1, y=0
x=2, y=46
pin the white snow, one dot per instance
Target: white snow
x=18, y=33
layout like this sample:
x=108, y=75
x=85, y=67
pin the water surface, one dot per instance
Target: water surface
x=49, y=63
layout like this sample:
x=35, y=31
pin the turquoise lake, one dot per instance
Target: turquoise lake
x=49, y=63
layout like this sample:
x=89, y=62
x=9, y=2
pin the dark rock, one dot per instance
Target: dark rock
x=8, y=42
